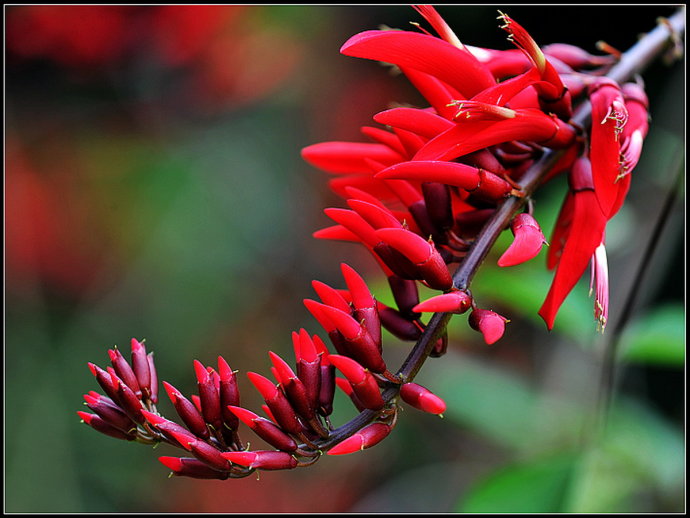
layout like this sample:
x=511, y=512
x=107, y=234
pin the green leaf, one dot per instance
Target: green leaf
x=539, y=486
x=638, y=459
x=497, y=404
x=657, y=338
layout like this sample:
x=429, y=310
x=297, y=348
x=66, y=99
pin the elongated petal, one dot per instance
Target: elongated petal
x=609, y=116
x=483, y=183
x=585, y=235
x=428, y=54
x=376, y=216
x=140, y=366
x=469, y=135
x=384, y=137
x=417, y=121
x=348, y=157
x=561, y=231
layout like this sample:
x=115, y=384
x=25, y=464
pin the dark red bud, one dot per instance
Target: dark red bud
x=209, y=455
x=437, y=198
x=174, y=432
x=154, y=378
x=111, y=414
x=267, y=460
x=229, y=393
x=406, y=295
x=129, y=402
x=430, y=265
x=140, y=366
x=187, y=412
x=346, y=387
x=100, y=425
x=469, y=223
x=124, y=370
x=326, y=389
x=294, y=389
x=105, y=380
x=193, y=468
x=265, y=429
x=363, y=382
x=399, y=326
x=209, y=398
x=280, y=407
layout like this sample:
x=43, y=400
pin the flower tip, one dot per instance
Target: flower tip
x=85, y=416
x=264, y=385
x=244, y=415
x=350, y=368
x=136, y=345
x=172, y=463
x=349, y=445
x=242, y=458
x=200, y=371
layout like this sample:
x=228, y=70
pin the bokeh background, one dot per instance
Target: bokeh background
x=154, y=189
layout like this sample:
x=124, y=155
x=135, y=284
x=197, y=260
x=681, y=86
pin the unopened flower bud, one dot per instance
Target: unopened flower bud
x=267, y=460
x=366, y=438
x=193, y=468
x=422, y=398
x=490, y=324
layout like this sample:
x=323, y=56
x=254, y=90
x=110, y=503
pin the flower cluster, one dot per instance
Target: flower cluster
x=418, y=196
x=433, y=176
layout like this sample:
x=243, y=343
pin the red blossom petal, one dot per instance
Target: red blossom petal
x=609, y=116
x=436, y=92
x=469, y=135
x=348, y=157
x=585, y=235
x=459, y=68
x=421, y=122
